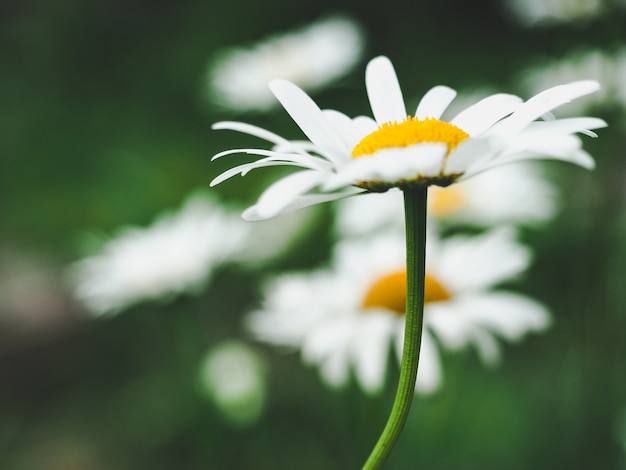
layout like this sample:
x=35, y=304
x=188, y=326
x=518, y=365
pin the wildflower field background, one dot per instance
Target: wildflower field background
x=106, y=111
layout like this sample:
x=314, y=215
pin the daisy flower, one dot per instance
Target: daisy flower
x=351, y=327
x=345, y=156
x=511, y=194
x=177, y=253
x=312, y=57
x=268, y=240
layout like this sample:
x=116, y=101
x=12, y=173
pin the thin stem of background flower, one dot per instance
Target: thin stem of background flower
x=415, y=218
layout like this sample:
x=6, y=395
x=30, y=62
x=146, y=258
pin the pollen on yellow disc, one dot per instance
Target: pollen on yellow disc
x=409, y=132
x=443, y=202
x=389, y=292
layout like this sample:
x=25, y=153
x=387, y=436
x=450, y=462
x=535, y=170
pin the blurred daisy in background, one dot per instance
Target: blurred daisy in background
x=232, y=375
x=312, y=57
x=531, y=12
x=346, y=318
x=347, y=156
x=511, y=194
x=608, y=68
x=177, y=253
x=267, y=240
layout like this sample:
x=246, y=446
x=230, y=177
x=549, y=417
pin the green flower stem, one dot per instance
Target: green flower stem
x=415, y=217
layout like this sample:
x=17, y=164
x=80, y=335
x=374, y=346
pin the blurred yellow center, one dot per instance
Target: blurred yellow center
x=443, y=202
x=389, y=292
x=409, y=132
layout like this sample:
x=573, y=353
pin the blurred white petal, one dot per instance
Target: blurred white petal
x=313, y=57
x=177, y=253
x=325, y=316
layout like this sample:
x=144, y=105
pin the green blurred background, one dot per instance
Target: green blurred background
x=104, y=123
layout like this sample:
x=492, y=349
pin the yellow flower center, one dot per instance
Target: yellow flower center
x=389, y=292
x=409, y=132
x=443, y=202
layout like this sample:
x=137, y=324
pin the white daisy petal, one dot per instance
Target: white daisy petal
x=435, y=102
x=274, y=159
x=549, y=143
x=346, y=128
x=391, y=165
x=429, y=376
x=543, y=102
x=246, y=168
x=452, y=330
x=569, y=126
x=369, y=350
x=578, y=157
x=225, y=153
x=471, y=154
x=473, y=263
x=320, y=346
x=370, y=213
x=334, y=369
x=487, y=347
x=301, y=147
x=308, y=116
x=285, y=155
x=365, y=124
x=481, y=116
x=250, y=130
x=516, y=193
x=476, y=319
x=383, y=90
x=253, y=214
x=406, y=162
x=506, y=314
x=544, y=146
x=271, y=325
x=279, y=194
